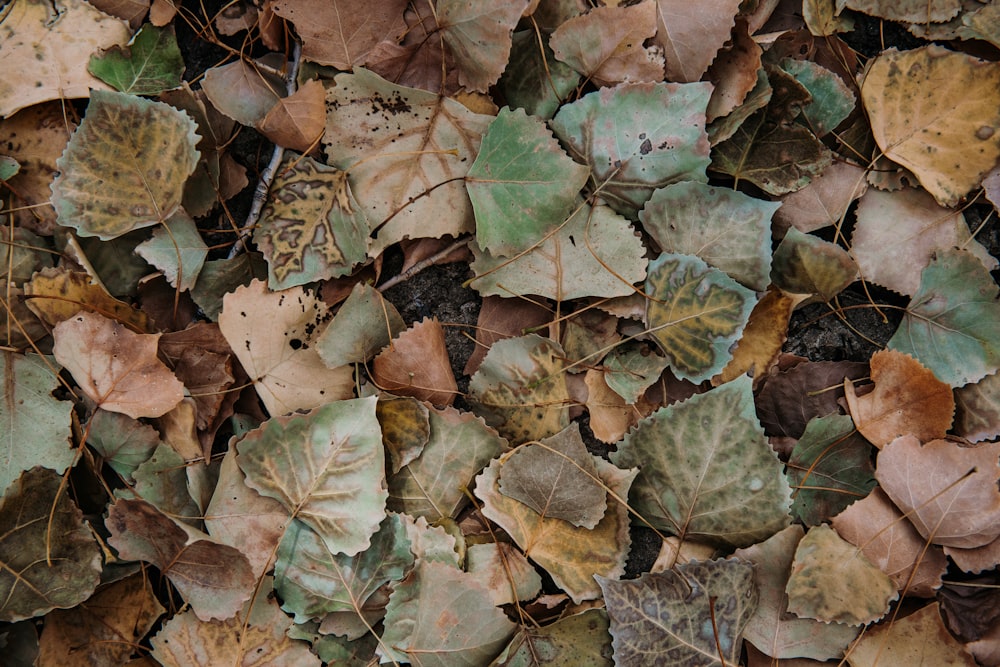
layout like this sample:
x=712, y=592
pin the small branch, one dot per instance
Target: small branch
x=271, y=170
x=423, y=264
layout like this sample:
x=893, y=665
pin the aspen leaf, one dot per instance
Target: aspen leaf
x=937, y=113
x=759, y=346
x=911, y=11
x=125, y=166
x=243, y=91
x=297, y=121
x=416, y=364
x=478, y=35
x=149, y=65
x=365, y=323
x=116, y=368
x=920, y=638
x=977, y=409
x=177, y=250
x=692, y=33
x=907, y=400
x=534, y=80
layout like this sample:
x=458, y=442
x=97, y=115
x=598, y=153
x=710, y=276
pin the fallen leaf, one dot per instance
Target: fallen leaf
x=45, y=49
x=759, y=346
x=149, y=65
x=891, y=543
x=790, y=398
x=977, y=409
x=605, y=45
x=610, y=417
x=824, y=201
x=706, y=471
x=914, y=11
x=124, y=443
x=696, y=313
x=832, y=101
x=733, y=72
x=501, y=318
x=661, y=617
x=947, y=491
x=406, y=428
x=534, y=80
x=416, y=364
x=50, y=557
x=833, y=581
x=56, y=295
x=907, y=400
x=772, y=629
x=935, y=112
x=297, y=121
x=282, y=359
x=691, y=34
x=506, y=572
x=478, y=35
x=365, y=323
x=557, y=478
x=177, y=250
x=920, y=638
x=243, y=91
x=580, y=639
x=326, y=467
x=116, y=368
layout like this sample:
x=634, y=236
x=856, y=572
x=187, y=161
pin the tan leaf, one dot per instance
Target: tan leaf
x=937, y=113
x=918, y=639
x=57, y=294
x=162, y=12
x=907, y=400
x=824, y=201
x=949, y=492
x=888, y=540
x=610, y=416
x=910, y=11
x=45, y=52
x=734, y=72
x=272, y=335
x=243, y=91
x=116, y=368
x=898, y=233
x=977, y=559
x=416, y=364
x=691, y=33
x=342, y=34
x=501, y=318
x=606, y=44
x=297, y=121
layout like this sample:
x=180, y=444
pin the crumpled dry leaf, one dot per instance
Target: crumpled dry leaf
x=416, y=364
x=116, y=368
x=908, y=400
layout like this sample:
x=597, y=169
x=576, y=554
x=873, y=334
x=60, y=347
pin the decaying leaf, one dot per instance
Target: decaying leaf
x=937, y=113
x=918, y=638
x=691, y=34
x=416, y=364
x=116, y=368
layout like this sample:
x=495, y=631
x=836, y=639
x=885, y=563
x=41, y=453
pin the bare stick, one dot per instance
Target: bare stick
x=269, y=172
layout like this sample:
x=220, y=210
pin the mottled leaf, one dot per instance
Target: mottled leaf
x=326, y=467
x=919, y=638
x=581, y=640
x=638, y=137
x=806, y=264
x=693, y=615
x=696, y=313
x=125, y=166
x=832, y=100
x=706, y=470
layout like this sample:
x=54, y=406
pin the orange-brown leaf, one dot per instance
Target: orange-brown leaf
x=416, y=364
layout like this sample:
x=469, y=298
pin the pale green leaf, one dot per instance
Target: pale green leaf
x=50, y=557
x=327, y=467
x=681, y=617
x=365, y=323
x=312, y=227
x=520, y=390
x=696, y=313
x=594, y=253
x=124, y=443
x=441, y=616
x=728, y=229
x=638, y=137
x=35, y=424
x=706, y=470
x=177, y=250
x=522, y=184
x=221, y=276
x=832, y=100
x=125, y=166
x=150, y=64
x=630, y=369
x=952, y=324
x=162, y=481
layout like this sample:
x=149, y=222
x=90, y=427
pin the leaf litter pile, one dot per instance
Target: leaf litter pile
x=223, y=446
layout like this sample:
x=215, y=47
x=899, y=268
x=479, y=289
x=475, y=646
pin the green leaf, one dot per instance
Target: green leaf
x=829, y=468
x=365, y=323
x=832, y=100
x=832, y=581
x=534, y=80
x=638, y=137
x=681, y=617
x=571, y=555
x=806, y=264
x=177, y=250
x=8, y=167
x=49, y=555
x=327, y=467
x=313, y=581
x=522, y=184
x=728, y=229
x=520, y=389
x=124, y=443
x=312, y=227
x=557, y=478
x=772, y=629
x=150, y=64
x=221, y=276
x=696, y=313
x=125, y=166
x=162, y=481
x=594, y=253
x=706, y=470
x=459, y=445
x=581, y=640
x=35, y=425
x=423, y=613
x=630, y=369
x=952, y=324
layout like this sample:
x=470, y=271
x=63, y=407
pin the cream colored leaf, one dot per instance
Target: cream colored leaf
x=937, y=113
x=272, y=334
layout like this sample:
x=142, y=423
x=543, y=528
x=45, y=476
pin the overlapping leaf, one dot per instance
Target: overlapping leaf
x=150, y=64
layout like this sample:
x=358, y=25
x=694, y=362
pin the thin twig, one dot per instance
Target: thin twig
x=269, y=172
x=423, y=264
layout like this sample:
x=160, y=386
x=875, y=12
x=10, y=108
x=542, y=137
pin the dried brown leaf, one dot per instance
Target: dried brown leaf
x=416, y=364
